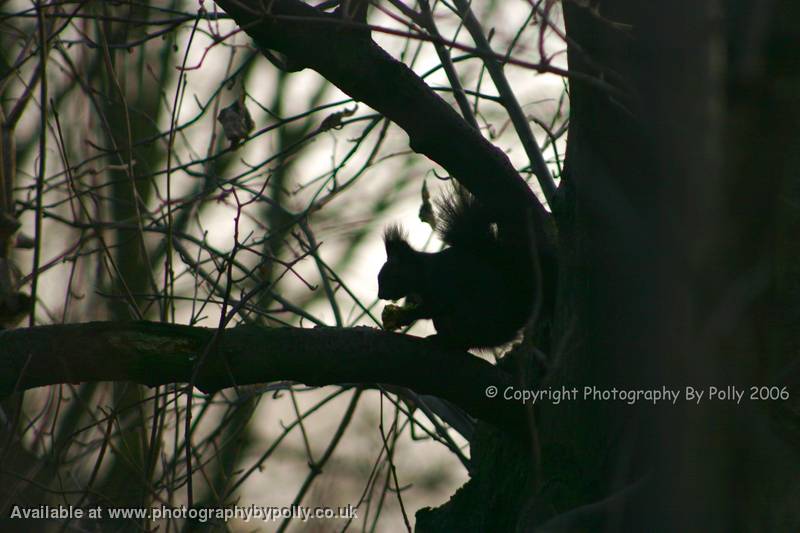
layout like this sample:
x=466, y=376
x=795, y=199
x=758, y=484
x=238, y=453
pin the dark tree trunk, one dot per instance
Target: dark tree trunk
x=678, y=221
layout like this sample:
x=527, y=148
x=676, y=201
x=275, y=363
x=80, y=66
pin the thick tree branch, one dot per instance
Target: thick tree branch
x=346, y=56
x=155, y=354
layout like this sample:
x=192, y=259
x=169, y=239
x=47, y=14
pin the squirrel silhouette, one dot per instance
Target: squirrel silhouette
x=479, y=290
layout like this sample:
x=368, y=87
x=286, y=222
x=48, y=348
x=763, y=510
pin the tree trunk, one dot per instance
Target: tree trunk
x=677, y=268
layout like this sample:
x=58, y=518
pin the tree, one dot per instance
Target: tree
x=675, y=265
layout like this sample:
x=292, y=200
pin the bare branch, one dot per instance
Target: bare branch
x=351, y=60
x=156, y=354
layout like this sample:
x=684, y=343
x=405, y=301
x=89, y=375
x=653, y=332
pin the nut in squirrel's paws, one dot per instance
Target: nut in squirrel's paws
x=391, y=316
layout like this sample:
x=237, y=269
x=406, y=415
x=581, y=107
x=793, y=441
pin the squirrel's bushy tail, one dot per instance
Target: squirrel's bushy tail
x=463, y=222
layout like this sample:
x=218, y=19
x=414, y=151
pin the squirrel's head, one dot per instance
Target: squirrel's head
x=396, y=278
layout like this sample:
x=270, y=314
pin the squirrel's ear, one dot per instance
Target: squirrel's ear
x=395, y=241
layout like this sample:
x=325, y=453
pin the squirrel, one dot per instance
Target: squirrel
x=479, y=290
